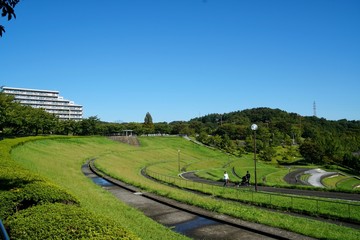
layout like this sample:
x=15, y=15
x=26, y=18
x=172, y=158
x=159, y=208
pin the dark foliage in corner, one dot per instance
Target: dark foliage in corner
x=7, y=10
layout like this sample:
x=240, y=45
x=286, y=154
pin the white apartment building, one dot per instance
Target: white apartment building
x=50, y=101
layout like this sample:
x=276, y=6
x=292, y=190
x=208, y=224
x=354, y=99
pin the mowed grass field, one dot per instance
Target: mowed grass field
x=60, y=160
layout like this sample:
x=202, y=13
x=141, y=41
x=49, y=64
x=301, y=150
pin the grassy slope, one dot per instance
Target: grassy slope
x=125, y=162
x=165, y=150
x=61, y=160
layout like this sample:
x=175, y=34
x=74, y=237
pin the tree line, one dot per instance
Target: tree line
x=314, y=140
x=20, y=120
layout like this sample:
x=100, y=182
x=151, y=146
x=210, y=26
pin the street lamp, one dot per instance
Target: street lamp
x=254, y=127
x=179, y=160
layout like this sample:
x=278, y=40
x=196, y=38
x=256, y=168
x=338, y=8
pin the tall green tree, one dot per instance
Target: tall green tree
x=148, y=124
x=148, y=119
x=6, y=105
x=89, y=126
x=311, y=151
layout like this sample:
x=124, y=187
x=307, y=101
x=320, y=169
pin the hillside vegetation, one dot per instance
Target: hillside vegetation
x=282, y=137
x=44, y=194
x=60, y=161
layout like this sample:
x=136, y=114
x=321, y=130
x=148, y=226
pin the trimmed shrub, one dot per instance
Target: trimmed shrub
x=19, y=189
x=7, y=204
x=39, y=192
x=60, y=221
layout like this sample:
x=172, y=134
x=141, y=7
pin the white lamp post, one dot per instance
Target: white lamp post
x=254, y=127
x=179, y=160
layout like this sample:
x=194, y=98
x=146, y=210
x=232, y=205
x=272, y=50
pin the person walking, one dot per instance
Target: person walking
x=226, y=178
x=247, y=178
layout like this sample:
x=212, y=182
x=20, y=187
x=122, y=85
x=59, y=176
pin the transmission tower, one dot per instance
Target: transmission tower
x=314, y=108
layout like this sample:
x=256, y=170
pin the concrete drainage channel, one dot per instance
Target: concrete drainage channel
x=187, y=220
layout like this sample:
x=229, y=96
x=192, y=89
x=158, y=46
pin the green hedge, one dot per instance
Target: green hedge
x=7, y=204
x=20, y=189
x=31, y=194
x=60, y=221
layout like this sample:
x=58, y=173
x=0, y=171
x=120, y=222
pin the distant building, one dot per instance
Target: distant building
x=50, y=101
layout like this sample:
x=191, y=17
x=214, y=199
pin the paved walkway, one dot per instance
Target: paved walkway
x=324, y=194
x=291, y=178
x=191, y=221
x=316, y=175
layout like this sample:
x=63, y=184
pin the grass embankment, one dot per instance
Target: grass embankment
x=97, y=214
x=32, y=207
x=165, y=150
x=125, y=163
x=271, y=174
x=311, y=206
x=341, y=182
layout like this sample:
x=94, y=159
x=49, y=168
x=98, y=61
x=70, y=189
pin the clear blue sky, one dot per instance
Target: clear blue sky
x=180, y=59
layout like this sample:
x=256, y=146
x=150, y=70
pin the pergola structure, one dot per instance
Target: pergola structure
x=127, y=132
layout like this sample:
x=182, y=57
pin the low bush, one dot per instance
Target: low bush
x=60, y=221
x=42, y=192
x=7, y=204
x=20, y=189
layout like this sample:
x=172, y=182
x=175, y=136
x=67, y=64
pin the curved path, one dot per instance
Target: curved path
x=191, y=221
x=323, y=194
x=316, y=176
x=334, y=195
x=291, y=178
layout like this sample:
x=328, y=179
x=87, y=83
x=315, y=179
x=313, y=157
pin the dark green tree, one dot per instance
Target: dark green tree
x=6, y=105
x=352, y=161
x=311, y=151
x=38, y=121
x=177, y=127
x=64, y=127
x=203, y=137
x=148, y=124
x=267, y=154
x=7, y=10
x=162, y=128
x=89, y=126
x=138, y=128
x=148, y=119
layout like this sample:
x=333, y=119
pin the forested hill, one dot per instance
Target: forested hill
x=318, y=139
x=281, y=120
x=266, y=115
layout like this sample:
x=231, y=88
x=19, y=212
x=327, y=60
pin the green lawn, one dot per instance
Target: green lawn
x=348, y=183
x=61, y=160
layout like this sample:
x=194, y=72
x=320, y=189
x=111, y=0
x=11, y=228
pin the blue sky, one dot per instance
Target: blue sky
x=180, y=59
